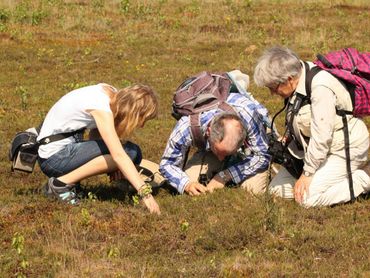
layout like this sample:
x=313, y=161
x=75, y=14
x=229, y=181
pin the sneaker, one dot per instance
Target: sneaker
x=64, y=194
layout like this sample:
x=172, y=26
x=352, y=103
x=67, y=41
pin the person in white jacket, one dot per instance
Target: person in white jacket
x=317, y=133
x=110, y=115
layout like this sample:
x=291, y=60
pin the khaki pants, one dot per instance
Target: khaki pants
x=330, y=183
x=211, y=166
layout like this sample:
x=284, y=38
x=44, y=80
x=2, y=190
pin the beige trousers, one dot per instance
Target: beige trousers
x=211, y=166
x=330, y=183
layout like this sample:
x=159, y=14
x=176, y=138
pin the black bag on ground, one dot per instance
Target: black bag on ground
x=23, y=150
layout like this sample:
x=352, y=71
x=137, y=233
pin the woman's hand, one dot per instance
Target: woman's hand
x=151, y=204
x=301, y=187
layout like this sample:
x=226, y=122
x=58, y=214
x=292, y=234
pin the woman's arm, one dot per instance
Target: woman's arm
x=105, y=124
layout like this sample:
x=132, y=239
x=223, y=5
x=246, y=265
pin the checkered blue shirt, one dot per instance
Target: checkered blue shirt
x=256, y=159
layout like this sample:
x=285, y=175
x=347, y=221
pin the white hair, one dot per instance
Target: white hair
x=276, y=65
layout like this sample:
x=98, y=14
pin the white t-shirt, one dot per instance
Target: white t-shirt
x=70, y=114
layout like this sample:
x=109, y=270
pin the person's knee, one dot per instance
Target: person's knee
x=309, y=202
x=255, y=185
x=134, y=152
x=315, y=199
x=253, y=188
x=281, y=190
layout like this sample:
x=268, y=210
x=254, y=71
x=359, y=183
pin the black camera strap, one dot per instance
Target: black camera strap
x=300, y=100
x=293, y=165
x=57, y=137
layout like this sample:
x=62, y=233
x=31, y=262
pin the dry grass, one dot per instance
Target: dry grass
x=49, y=47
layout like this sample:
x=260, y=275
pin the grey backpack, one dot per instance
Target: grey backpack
x=202, y=92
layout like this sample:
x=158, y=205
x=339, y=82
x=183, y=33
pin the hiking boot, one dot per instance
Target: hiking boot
x=366, y=168
x=64, y=194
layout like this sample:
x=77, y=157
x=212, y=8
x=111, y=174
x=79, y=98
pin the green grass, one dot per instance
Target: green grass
x=49, y=47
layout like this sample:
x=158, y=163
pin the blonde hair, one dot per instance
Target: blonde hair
x=132, y=107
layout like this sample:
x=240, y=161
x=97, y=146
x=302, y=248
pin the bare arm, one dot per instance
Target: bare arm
x=105, y=124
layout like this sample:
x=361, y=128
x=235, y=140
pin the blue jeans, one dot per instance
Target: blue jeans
x=77, y=154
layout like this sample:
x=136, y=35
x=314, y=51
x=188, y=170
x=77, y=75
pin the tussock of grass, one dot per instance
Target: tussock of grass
x=49, y=47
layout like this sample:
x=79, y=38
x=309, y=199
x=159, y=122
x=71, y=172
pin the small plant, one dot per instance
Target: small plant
x=193, y=8
x=45, y=53
x=184, y=226
x=72, y=86
x=113, y=252
x=125, y=6
x=18, y=243
x=135, y=199
x=271, y=212
x=18, y=246
x=125, y=83
x=37, y=17
x=69, y=62
x=212, y=262
x=143, y=10
x=248, y=253
x=85, y=217
x=248, y=3
x=97, y=4
x=23, y=94
x=91, y=196
x=4, y=15
x=21, y=12
x=87, y=51
x=2, y=27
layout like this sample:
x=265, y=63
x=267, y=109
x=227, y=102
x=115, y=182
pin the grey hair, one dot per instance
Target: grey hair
x=217, y=133
x=276, y=65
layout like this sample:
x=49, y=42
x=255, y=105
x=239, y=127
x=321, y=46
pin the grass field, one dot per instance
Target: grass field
x=49, y=47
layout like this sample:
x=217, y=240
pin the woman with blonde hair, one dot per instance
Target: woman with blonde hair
x=110, y=116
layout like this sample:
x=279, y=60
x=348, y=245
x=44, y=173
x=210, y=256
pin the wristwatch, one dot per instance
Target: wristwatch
x=307, y=174
x=223, y=176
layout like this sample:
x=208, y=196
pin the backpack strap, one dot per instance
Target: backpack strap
x=196, y=133
x=310, y=73
x=227, y=107
x=343, y=114
x=199, y=140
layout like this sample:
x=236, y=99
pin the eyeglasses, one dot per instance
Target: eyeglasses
x=276, y=87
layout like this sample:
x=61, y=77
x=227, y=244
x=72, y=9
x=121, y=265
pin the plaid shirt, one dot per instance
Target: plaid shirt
x=255, y=159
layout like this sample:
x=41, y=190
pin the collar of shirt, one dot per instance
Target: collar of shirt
x=301, y=87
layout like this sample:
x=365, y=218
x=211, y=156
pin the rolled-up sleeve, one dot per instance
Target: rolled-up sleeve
x=174, y=155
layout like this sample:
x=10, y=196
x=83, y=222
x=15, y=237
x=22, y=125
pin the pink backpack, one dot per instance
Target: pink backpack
x=353, y=68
